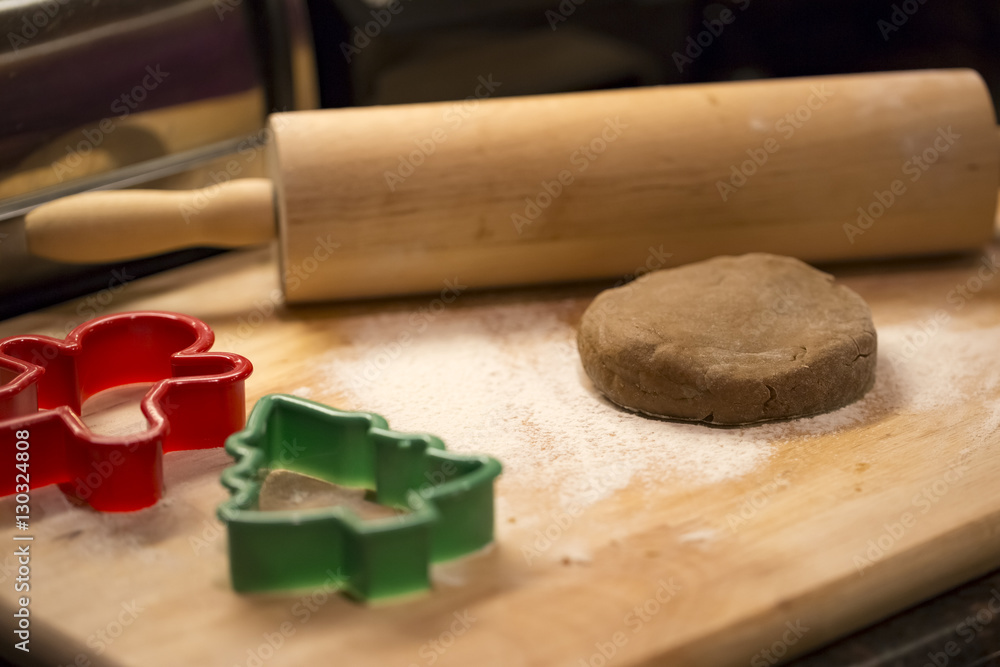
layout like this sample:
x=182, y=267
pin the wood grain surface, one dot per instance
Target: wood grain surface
x=667, y=579
x=527, y=190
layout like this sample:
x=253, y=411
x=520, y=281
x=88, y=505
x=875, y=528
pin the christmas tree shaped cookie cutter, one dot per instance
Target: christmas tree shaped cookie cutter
x=445, y=501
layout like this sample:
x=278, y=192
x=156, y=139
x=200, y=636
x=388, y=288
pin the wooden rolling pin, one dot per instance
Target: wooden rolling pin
x=399, y=199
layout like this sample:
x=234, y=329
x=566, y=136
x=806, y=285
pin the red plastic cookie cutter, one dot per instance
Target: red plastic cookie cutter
x=196, y=401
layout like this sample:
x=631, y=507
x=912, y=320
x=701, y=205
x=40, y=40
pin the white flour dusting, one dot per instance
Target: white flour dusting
x=931, y=372
x=506, y=380
x=951, y=368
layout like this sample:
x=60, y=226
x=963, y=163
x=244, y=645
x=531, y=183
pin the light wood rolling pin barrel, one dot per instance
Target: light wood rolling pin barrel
x=581, y=186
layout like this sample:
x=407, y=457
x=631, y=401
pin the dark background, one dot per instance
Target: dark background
x=769, y=38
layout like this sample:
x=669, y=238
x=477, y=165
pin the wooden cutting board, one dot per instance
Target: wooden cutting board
x=837, y=525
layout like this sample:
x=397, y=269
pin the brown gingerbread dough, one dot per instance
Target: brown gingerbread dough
x=731, y=340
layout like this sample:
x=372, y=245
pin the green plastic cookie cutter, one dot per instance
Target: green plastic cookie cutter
x=447, y=499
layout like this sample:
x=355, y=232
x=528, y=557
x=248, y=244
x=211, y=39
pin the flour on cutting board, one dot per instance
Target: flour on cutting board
x=506, y=380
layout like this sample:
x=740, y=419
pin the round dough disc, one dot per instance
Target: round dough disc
x=731, y=340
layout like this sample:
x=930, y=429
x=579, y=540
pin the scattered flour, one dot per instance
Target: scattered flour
x=950, y=366
x=506, y=380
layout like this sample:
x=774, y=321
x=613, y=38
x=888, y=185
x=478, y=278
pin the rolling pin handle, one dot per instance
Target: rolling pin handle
x=98, y=227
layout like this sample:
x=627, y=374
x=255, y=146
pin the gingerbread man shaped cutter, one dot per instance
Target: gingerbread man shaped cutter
x=196, y=401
